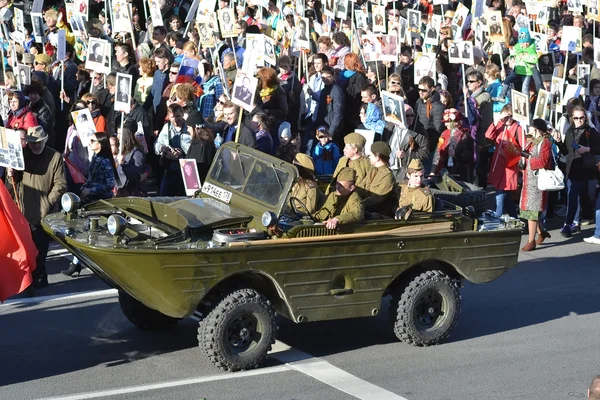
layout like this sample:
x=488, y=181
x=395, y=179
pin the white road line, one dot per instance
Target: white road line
x=69, y=296
x=164, y=385
x=330, y=375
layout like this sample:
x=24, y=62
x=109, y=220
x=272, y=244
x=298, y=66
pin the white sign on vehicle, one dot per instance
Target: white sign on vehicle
x=216, y=192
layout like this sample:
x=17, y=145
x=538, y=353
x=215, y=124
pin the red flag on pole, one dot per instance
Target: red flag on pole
x=17, y=250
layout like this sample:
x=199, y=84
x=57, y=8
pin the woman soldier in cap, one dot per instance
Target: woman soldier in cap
x=354, y=159
x=306, y=189
x=380, y=182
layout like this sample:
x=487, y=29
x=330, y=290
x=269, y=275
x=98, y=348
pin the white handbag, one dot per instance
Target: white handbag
x=550, y=180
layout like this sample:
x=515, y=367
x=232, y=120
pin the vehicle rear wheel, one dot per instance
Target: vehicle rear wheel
x=239, y=332
x=143, y=317
x=427, y=309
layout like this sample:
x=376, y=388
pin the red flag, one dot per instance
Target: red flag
x=17, y=250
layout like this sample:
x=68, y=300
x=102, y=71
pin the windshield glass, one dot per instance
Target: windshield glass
x=243, y=173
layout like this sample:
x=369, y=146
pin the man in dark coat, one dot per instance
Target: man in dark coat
x=231, y=114
x=429, y=112
x=330, y=110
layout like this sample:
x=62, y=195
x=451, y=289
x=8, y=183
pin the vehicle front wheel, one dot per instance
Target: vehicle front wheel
x=239, y=332
x=143, y=317
x=427, y=309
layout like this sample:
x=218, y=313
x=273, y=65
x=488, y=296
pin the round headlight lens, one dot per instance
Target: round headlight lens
x=69, y=202
x=116, y=224
x=268, y=219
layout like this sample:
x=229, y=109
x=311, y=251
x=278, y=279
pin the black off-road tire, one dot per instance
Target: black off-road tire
x=239, y=332
x=425, y=311
x=143, y=317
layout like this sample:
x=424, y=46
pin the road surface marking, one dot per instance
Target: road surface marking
x=69, y=296
x=164, y=385
x=329, y=374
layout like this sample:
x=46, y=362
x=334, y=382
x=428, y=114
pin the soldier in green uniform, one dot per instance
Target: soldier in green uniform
x=344, y=205
x=380, y=181
x=306, y=189
x=353, y=158
x=412, y=193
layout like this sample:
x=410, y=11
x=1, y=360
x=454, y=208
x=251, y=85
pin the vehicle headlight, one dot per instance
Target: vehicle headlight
x=268, y=219
x=116, y=224
x=69, y=202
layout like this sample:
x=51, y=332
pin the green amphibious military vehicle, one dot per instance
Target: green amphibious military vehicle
x=240, y=253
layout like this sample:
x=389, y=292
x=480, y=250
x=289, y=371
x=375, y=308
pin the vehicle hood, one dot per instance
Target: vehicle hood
x=208, y=213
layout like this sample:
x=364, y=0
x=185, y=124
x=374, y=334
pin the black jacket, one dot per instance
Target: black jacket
x=353, y=100
x=575, y=166
x=330, y=110
x=247, y=137
x=432, y=126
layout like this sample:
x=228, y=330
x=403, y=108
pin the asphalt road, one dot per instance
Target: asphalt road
x=532, y=334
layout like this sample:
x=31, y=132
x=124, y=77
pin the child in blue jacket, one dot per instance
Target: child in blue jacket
x=325, y=154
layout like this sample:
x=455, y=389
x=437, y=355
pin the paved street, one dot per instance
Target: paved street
x=532, y=334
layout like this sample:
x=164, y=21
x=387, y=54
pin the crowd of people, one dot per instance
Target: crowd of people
x=317, y=105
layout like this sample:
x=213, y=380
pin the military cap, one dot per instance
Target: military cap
x=355, y=139
x=415, y=164
x=43, y=58
x=381, y=148
x=347, y=175
x=304, y=161
x=28, y=58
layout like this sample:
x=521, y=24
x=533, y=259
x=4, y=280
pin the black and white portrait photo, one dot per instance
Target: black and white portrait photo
x=243, y=90
x=96, y=54
x=414, y=21
x=270, y=56
x=520, y=106
x=460, y=52
x=541, y=106
x=37, y=21
x=341, y=9
x=123, y=94
x=24, y=74
x=302, y=34
x=583, y=77
x=546, y=64
x=393, y=108
x=227, y=23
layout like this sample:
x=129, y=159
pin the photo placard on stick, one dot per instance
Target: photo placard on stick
x=460, y=16
x=123, y=97
x=495, y=26
x=227, y=23
x=84, y=124
x=557, y=86
x=393, y=108
x=583, y=78
x=575, y=6
x=542, y=105
x=329, y=8
x=432, y=34
x=414, y=22
x=341, y=9
x=302, y=33
x=96, y=54
x=592, y=10
x=546, y=64
x=155, y=13
x=520, y=106
x=571, y=39
x=543, y=14
x=37, y=21
x=460, y=52
x=270, y=46
x=379, y=47
x=19, y=24
x=191, y=177
x=24, y=74
x=379, y=19
x=61, y=52
x=425, y=65
x=120, y=15
x=11, y=152
x=243, y=91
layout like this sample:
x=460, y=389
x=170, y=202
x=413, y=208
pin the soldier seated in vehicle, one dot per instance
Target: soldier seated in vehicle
x=413, y=194
x=355, y=159
x=344, y=205
x=305, y=190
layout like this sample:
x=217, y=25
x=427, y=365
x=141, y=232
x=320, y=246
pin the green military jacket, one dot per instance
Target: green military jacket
x=362, y=167
x=380, y=187
x=345, y=208
x=420, y=198
x=309, y=194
